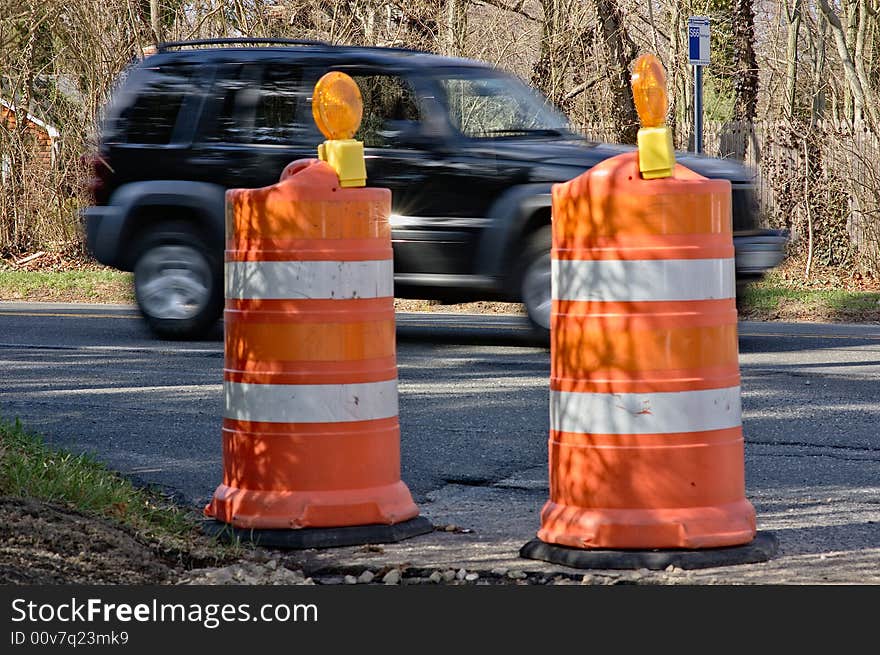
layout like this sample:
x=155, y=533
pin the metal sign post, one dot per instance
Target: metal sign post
x=698, y=56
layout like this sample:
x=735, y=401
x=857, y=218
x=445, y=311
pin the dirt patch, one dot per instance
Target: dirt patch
x=42, y=543
x=792, y=272
x=42, y=260
x=479, y=307
x=47, y=544
x=798, y=311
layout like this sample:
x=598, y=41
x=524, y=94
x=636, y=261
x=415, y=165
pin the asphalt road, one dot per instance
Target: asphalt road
x=91, y=378
x=474, y=418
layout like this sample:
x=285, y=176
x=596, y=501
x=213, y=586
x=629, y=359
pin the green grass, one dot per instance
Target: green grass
x=772, y=299
x=761, y=298
x=854, y=303
x=30, y=468
x=61, y=286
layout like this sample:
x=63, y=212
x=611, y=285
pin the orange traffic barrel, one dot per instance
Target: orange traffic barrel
x=311, y=437
x=646, y=443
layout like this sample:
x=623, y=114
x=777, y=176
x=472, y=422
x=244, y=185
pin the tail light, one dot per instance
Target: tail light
x=98, y=173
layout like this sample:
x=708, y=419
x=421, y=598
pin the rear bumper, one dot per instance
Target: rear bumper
x=101, y=226
x=758, y=252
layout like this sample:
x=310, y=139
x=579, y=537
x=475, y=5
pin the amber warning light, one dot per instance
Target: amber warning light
x=656, y=154
x=337, y=109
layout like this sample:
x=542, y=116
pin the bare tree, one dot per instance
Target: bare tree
x=793, y=14
x=549, y=70
x=862, y=109
x=817, y=103
x=745, y=85
x=622, y=51
x=156, y=21
x=455, y=28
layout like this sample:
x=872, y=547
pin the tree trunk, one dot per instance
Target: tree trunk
x=860, y=55
x=745, y=87
x=156, y=21
x=546, y=73
x=817, y=105
x=455, y=28
x=854, y=85
x=794, y=24
x=677, y=77
x=621, y=53
x=807, y=210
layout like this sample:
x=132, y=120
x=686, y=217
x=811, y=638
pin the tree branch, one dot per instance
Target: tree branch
x=580, y=88
x=516, y=9
x=846, y=60
x=202, y=20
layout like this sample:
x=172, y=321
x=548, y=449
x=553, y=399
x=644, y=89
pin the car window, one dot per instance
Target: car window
x=234, y=97
x=277, y=105
x=390, y=110
x=491, y=105
x=151, y=114
x=257, y=105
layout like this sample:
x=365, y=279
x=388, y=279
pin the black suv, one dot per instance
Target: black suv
x=469, y=152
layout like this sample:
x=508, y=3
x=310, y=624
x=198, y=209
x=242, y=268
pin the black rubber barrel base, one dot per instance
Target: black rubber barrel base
x=760, y=549
x=303, y=538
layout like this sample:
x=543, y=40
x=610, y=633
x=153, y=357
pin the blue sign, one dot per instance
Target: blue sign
x=698, y=41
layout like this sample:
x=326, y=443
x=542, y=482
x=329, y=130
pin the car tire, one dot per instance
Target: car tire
x=178, y=283
x=534, y=281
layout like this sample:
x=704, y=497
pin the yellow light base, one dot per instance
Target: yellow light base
x=346, y=157
x=656, y=154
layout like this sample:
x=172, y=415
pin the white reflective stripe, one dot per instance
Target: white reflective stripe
x=645, y=413
x=635, y=280
x=310, y=279
x=310, y=403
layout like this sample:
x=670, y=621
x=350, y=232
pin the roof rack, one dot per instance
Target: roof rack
x=237, y=41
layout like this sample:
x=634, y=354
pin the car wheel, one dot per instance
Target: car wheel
x=535, y=286
x=178, y=283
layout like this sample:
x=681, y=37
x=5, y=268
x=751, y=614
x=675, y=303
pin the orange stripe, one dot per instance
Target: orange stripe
x=639, y=441
x=596, y=354
x=264, y=339
x=645, y=246
x=310, y=372
x=309, y=205
x=642, y=315
x=613, y=199
x=691, y=218
x=634, y=214
x=591, y=342
x=315, y=456
x=357, y=310
x=658, y=471
x=240, y=249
